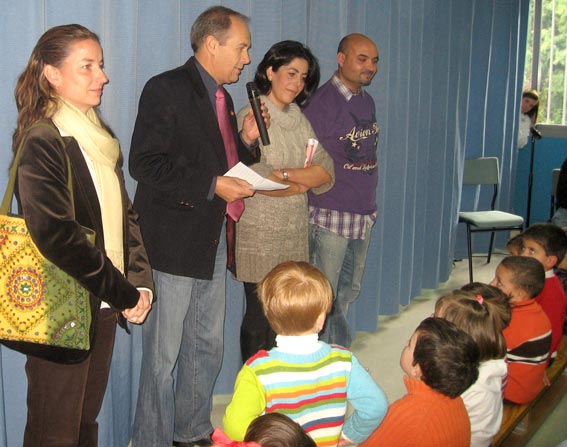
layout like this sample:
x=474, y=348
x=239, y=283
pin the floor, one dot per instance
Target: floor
x=380, y=351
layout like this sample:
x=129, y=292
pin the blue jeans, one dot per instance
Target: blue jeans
x=184, y=329
x=342, y=261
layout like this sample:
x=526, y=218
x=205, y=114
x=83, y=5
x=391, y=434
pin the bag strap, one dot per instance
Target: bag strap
x=6, y=205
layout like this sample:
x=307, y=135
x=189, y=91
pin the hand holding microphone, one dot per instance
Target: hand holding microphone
x=256, y=103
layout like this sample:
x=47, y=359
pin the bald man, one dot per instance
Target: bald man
x=343, y=116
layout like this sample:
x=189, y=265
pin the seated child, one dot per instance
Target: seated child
x=515, y=245
x=499, y=300
x=528, y=337
x=561, y=273
x=483, y=319
x=304, y=378
x=548, y=243
x=268, y=430
x=441, y=361
x=277, y=430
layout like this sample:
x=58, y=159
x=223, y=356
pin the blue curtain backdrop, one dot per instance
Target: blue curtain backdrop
x=448, y=87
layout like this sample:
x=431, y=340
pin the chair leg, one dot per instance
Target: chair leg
x=469, y=246
x=490, y=247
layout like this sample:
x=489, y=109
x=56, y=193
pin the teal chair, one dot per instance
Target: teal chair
x=485, y=171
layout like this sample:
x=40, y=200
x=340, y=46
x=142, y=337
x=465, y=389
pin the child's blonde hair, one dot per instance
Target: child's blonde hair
x=479, y=318
x=294, y=295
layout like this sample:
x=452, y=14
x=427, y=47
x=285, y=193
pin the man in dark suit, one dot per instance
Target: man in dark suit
x=178, y=158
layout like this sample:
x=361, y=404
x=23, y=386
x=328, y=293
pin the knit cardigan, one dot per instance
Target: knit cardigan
x=423, y=418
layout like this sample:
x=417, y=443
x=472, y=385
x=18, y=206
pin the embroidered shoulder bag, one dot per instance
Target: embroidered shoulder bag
x=39, y=303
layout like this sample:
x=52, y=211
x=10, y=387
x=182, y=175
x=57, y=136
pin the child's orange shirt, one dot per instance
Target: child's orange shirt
x=423, y=417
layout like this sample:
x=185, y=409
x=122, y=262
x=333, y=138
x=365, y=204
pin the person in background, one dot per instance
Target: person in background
x=440, y=362
x=483, y=312
x=286, y=77
x=528, y=116
x=185, y=139
x=343, y=116
x=60, y=89
x=528, y=336
x=306, y=379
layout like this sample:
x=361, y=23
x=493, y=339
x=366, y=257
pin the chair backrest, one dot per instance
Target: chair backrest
x=481, y=171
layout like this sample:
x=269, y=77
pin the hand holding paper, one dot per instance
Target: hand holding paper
x=258, y=182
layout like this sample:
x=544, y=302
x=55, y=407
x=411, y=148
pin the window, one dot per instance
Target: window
x=546, y=58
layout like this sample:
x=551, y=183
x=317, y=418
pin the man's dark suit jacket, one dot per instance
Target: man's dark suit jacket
x=177, y=149
x=57, y=231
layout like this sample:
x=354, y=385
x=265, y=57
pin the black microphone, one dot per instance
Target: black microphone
x=536, y=133
x=254, y=97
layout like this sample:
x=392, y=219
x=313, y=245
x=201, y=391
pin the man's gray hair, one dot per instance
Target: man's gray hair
x=214, y=21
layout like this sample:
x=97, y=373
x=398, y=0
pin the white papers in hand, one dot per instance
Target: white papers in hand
x=258, y=182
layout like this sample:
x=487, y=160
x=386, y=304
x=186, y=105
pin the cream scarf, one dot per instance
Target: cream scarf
x=103, y=152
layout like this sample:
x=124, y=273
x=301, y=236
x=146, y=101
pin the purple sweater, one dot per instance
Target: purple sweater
x=349, y=132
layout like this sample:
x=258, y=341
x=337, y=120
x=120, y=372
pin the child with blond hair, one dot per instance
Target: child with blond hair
x=304, y=378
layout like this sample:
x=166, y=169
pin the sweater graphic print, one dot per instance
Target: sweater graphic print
x=359, y=145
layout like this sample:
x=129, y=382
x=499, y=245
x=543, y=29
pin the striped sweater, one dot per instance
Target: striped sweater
x=312, y=389
x=528, y=339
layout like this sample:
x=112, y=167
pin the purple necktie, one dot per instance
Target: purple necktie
x=236, y=208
